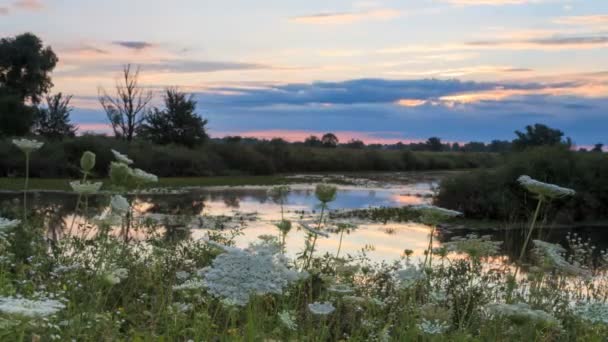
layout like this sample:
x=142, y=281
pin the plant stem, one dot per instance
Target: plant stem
x=523, y=250
x=340, y=244
x=25, y=186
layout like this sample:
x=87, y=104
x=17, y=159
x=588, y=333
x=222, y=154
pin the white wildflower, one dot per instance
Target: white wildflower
x=27, y=145
x=116, y=275
x=553, y=256
x=544, y=190
x=85, y=188
x=433, y=326
x=341, y=289
x=288, y=320
x=119, y=204
x=238, y=274
x=122, y=158
x=182, y=275
x=521, y=313
x=30, y=308
x=410, y=276
x=321, y=308
x=594, y=312
x=142, y=176
x=190, y=284
x=313, y=231
x=6, y=224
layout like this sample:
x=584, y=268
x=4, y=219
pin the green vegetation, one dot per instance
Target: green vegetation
x=495, y=194
x=61, y=158
x=92, y=280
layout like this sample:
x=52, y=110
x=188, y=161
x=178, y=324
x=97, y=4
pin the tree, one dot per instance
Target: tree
x=355, y=143
x=329, y=140
x=599, y=147
x=127, y=109
x=434, y=144
x=15, y=117
x=539, y=135
x=25, y=67
x=53, y=122
x=178, y=123
x=313, y=141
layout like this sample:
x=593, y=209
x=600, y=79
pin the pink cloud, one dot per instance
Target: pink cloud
x=33, y=5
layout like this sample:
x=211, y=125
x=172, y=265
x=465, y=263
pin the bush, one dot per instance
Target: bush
x=495, y=194
x=61, y=158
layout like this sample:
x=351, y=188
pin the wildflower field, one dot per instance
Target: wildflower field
x=113, y=276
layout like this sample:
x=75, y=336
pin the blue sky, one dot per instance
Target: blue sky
x=377, y=70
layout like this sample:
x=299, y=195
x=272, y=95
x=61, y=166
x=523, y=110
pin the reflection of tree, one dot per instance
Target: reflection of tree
x=232, y=201
x=183, y=204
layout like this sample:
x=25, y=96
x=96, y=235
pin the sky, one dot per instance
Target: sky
x=381, y=71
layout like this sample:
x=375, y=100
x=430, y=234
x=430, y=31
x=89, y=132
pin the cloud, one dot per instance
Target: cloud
x=396, y=110
x=547, y=42
x=134, y=45
x=4, y=11
x=347, y=17
x=176, y=66
x=33, y=5
x=599, y=19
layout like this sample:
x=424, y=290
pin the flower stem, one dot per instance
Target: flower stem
x=25, y=186
x=523, y=248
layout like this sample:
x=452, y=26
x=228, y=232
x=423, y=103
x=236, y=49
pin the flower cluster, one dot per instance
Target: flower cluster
x=313, y=231
x=6, y=224
x=593, y=312
x=288, y=320
x=122, y=158
x=521, y=313
x=26, y=145
x=279, y=192
x=321, y=309
x=433, y=327
x=552, y=255
x=85, y=188
x=119, y=204
x=30, y=308
x=431, y=214
x=410, y=276
x=544, y=190
x=238, y=274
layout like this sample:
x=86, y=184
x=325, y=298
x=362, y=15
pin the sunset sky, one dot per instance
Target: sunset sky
x=381, y=71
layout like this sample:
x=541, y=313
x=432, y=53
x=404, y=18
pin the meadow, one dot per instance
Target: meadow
x=113, y=275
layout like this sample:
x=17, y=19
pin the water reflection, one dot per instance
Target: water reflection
x=195, y=213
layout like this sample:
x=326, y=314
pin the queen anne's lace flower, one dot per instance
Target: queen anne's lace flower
x=238, y=274
x=544, y=190
x=321, y=308
x=30, y=308
x=190, y=284
x=521, y=313
x=27, y=145
x=143, y=177
x=433, y=327
x=288, y=320
x=115, y=276
x=594, y=312
x=85, y=188
x=119, y=204
x=434, y=211
x=278, y=192
x=341, y=289
x=410, y=276
x=6, y=224
x=553, y=255
x=122, y=158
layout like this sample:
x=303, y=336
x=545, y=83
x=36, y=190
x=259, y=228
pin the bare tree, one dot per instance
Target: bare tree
x=126, y=109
